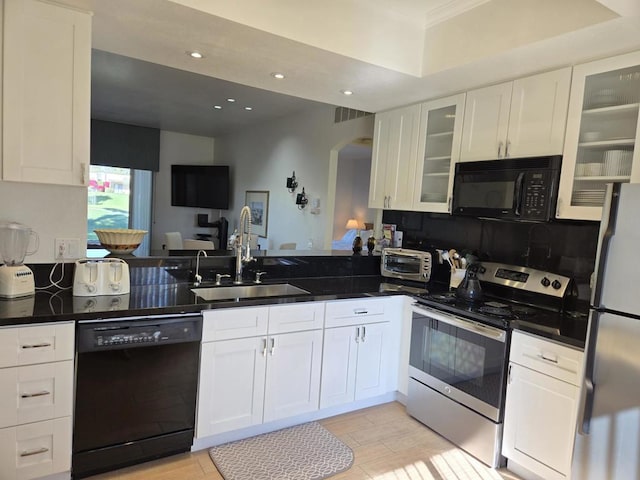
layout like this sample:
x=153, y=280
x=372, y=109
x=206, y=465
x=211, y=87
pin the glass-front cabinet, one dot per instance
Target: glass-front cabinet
x=602, y=132
x=438, y=152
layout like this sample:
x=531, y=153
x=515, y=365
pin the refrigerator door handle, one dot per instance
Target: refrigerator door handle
x=607, y=231
x=588, y=393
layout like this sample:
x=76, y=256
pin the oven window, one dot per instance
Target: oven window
x=463, y=359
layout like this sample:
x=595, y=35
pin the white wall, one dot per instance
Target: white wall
x=178, y=148
x=52, y=211
x=263, y=157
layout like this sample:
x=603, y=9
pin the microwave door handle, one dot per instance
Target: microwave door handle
x=517, y=197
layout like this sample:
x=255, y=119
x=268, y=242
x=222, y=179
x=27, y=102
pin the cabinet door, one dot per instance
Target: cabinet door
x=539, y=424
x=293, y=374
x=602, y=132
x=379, y=159
x=438, y=151
x=46, y=99
x=486, y=121
x=372, y=374
x=394, y=158
x=538, y=114
x=231, y=387
x=340, y=354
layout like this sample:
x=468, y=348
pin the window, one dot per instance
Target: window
x=118, y=198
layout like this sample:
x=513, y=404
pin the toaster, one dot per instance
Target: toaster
x=105, y=276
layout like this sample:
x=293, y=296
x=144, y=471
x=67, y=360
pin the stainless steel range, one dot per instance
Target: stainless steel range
x=459, y=352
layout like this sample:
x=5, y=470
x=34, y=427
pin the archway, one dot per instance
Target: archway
x=349, y=173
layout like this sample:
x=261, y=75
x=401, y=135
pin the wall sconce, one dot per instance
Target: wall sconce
x=292, y=184
x=302, y=200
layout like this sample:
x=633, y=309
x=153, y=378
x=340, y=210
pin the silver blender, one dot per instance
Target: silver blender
x=16, y=279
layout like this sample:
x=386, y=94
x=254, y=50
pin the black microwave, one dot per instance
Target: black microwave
x=522, y=189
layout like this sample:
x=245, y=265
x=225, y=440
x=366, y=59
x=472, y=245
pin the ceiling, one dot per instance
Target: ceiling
x=390, y=53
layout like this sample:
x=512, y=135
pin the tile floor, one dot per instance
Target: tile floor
x=386, y=442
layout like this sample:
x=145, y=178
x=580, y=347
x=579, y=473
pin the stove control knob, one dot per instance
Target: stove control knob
x=556, y=284
x=545, y=282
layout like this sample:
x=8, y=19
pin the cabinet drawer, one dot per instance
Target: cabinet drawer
x=353, y=312
x=225, y=324
x=35, y=450
x=36, y=344
x=296, y=317
x=35, y=392
x=550, y=358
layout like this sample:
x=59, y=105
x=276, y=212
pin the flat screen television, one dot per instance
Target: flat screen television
x=203, y=186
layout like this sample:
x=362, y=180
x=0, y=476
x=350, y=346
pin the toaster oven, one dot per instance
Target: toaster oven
x=406, y=264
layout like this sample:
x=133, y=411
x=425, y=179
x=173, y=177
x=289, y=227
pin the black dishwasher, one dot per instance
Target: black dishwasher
x=136, y=384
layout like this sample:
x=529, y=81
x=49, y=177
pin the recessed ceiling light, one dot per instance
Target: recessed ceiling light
x=217, y=107
x=346, y=92
x=248, y=108
x=277, y=75
x=231, y=100
x=195, y=54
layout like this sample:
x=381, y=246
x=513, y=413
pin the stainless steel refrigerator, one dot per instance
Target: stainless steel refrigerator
x=608, y=440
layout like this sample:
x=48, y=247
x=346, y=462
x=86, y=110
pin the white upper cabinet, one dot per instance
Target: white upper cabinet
x=602, y=131
x=394, y=158
x=438, y=151
x=46, y=93
x=523, y=118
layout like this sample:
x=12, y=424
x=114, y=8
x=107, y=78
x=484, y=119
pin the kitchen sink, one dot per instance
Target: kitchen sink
x=248, y=291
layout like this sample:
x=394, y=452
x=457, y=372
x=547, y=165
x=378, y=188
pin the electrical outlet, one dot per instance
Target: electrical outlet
x=66, y=248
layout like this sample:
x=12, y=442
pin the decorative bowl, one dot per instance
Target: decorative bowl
x=120, y=240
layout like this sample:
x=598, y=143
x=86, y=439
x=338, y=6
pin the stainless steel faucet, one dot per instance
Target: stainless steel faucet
x=242, y=258
x=198, y=277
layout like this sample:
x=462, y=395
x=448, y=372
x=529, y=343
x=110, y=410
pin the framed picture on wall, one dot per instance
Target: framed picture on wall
x=258, y=202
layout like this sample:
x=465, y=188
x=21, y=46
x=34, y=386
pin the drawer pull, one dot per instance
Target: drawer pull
x=37, y=345
x=361, y=311
x=552, y=359
x=37, y=451
x=35, y=394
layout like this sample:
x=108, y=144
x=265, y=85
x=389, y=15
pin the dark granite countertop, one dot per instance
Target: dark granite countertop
x=177, y=298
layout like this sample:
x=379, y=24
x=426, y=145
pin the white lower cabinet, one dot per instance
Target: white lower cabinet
x=36, y=400
x=541, y=406
x=354, y=366
x=231, y=393
x=292, y=383
x=358, y=362
x=249, y=380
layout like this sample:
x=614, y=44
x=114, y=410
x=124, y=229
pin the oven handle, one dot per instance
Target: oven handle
x=463, y=323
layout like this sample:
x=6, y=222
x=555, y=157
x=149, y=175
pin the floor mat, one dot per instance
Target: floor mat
x=304, y=452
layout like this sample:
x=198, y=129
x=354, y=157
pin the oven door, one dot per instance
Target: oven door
x=464, y=360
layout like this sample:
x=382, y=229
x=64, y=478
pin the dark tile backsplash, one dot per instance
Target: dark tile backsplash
x=564, y=247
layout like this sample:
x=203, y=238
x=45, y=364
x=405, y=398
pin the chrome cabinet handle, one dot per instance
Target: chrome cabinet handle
x=546, y=357
x=499, y=148
x=273, y=345
x=506, y=149
x=28, y=453
x=37, y=345
x=264, y=347
x=35, y=394
x=364, y=333
x=357, y=334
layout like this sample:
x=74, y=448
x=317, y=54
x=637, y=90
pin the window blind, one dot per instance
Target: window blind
x=127, y=146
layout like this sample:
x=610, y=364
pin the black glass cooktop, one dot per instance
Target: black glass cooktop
x=502, y=313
